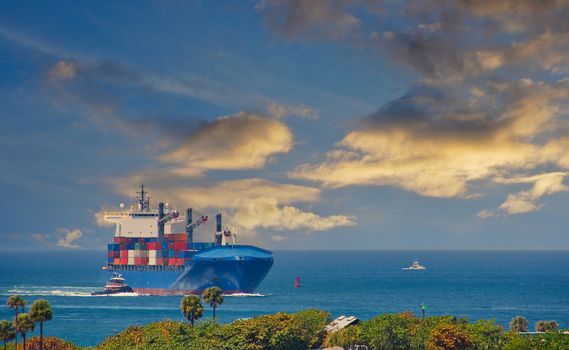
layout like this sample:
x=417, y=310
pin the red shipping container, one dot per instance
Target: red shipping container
x=141, y=261
x=180, y=261
x=179, y=246
x=172, y=261
x=157, y=245
x=151, y=246
x=124, y=253
x=110, y=254
x=124, y=261
x=117, y=261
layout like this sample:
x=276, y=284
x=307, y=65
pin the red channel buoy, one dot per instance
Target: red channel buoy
x=297, y=282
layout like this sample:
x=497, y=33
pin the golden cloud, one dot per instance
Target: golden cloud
x=241, y=141
x=434, y=145
x=249, y=204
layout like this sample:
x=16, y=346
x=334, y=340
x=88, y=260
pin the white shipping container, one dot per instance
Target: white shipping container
x=151, y=261
x=131, y=260
x=131, y=254
x=152, y=254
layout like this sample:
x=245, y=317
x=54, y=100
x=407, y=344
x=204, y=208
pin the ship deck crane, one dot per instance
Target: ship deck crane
x=170, y=216
x=201, y=220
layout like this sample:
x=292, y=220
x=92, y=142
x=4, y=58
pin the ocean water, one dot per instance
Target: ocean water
x=473, y=284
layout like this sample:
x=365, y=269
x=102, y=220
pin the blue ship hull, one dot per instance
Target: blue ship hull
x=234, y=269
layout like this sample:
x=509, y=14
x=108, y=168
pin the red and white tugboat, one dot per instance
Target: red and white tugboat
x=116, y=284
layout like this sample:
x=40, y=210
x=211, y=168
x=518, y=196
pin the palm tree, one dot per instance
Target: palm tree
x=15, y=302
x=191, y=307
x=7, y=332
x=214, y=297
x=519, y=324
x=40, y=312
x=546, y=326
x=25, y=324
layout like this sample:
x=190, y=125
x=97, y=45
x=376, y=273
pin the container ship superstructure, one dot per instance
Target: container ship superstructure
x=154, y=250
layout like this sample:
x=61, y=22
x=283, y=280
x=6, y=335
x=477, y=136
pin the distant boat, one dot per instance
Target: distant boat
x=415, y=266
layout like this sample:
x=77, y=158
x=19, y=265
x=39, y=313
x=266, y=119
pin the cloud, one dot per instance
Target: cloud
x=82, y=79
x=318, y=18
x=436, y=143
x=63, y=238
x=527, y=201
x=249, y=204
x=241, y=141
x=279, y=111
x=444, y=41
x=64, y=70
x=69, y=238
x=485, y=214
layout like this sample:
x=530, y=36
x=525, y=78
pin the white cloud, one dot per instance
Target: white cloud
x=63, y=237
x=527, y=201
x=279, y=111
x=69, y=238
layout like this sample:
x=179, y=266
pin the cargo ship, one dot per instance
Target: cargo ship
x=155, y=252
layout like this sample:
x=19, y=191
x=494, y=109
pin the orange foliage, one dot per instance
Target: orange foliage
x=449, y=337
x=49, y=343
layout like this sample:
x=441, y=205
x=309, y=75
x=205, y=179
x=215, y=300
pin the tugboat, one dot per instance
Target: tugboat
x=116, y=284
x=415, y=266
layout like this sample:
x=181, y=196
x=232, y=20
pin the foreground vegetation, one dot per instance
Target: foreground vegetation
x=305, y=330
x=405, y=331
x=297, y=331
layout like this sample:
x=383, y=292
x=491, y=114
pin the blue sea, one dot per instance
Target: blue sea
x=473, y=284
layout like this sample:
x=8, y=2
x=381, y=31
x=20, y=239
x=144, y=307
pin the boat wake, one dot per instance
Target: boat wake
x=247, y=295
x=58, y=291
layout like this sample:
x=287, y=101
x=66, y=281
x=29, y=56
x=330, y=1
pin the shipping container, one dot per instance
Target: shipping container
x=172, y=261
x=124, y=260
x=117, y=261
x=131, y=260
x=181, y=261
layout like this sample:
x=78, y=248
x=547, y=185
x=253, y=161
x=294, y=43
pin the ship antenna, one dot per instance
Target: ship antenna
x=141, y=198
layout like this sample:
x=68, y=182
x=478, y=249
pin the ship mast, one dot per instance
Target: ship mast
x=143, y=203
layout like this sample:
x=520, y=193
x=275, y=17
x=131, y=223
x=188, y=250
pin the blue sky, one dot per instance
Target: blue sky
x=309, y=124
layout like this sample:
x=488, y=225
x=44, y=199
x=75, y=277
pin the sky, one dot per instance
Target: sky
x=309, y=124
